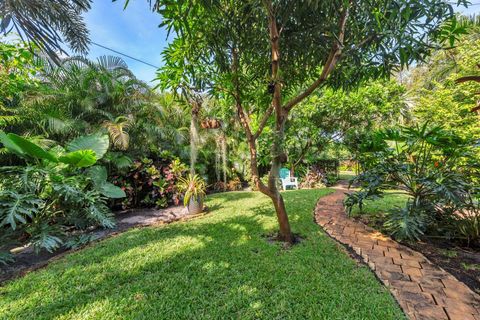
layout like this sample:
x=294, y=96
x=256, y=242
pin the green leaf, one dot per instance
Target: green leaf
x=97, y=142
x=30, y=148
x=111, y=191
x=6, y=258
x=10, y=145
x=80, y=158
x=98, y=174
x=15, y=208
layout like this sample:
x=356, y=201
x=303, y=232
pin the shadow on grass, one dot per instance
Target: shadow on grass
x=217, y=267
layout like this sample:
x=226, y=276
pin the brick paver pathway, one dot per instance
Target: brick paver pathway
x=423, y=290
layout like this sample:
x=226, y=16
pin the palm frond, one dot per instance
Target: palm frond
x=47, y=24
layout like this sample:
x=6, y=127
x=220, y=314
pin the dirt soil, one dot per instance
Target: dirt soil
x=26, y=260
x=463, y=263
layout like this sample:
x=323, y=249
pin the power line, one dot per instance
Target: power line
x=156, y=67
x=125, y=55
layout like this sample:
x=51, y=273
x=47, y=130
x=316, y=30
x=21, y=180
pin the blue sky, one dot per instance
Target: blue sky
x=135, y=32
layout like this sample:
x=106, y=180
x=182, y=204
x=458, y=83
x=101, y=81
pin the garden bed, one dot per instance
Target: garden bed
x=462, y=262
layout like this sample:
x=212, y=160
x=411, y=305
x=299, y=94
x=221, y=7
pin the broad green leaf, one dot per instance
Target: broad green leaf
x=98, y=174
x=112, y=191
x=31, y=148
x=80, y=158
x=15, y=208
x=10, y=145
x=97, y=142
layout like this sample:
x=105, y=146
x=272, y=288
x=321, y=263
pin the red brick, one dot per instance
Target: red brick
x=423, y=290
x=392, y=254
x=412, y=271
x=453, y=314
x=407, y=263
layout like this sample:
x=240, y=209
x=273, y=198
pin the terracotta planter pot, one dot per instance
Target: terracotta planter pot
x=195, y=206
x=210, y=124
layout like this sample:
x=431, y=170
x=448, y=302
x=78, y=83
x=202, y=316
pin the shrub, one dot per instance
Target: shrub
x=435, y=167
x=53, y=192
x=234, y=184
x=315, y=178
x=151, y=183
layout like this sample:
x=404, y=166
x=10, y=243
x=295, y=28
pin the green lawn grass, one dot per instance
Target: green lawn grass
x=346, y=175
x=390, y=200
x=374, y=211
x=219, y=266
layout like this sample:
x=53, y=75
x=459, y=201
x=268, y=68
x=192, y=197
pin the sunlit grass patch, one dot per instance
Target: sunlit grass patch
x=216, y=267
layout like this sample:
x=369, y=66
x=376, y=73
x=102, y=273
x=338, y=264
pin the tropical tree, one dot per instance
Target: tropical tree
x=17, y=78
x=84, y=96
x=440, y=90
x=267, y=57
x=331, y=116
x=47, y=24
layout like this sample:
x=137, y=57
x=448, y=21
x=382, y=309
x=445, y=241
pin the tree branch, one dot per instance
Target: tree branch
x=244, y=120
x=329, y=65
x=303, y=152
x=263, y=122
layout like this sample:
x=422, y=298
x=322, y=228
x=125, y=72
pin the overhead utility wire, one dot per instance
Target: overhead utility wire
x=125, y=55
x=156, y=67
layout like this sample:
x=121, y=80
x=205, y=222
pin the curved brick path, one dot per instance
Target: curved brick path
x=423, y=290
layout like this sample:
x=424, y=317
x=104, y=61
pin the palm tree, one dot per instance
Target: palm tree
x=47, y=23
x=117, y=131
x=83, y=96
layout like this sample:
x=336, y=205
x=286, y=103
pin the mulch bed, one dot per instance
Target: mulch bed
x=461, y=262
x=27, y=260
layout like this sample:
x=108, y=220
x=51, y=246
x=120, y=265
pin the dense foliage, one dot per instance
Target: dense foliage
x=246, y=89
x=150, y=183
x=339, y=118
x=436, y=168
x=437, y=97
x=265, y=58
x=53, y=191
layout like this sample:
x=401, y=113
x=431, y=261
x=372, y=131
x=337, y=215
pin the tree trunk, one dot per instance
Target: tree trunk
x=285, y=234
x=278, y=152
x=278, y=158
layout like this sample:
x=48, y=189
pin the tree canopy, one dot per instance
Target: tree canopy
x=266, y=57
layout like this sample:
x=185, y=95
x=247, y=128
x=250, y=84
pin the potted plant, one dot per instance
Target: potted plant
x=194, y=188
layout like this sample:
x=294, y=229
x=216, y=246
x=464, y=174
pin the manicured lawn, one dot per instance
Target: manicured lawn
x=390, y=200
x=216, y=267
x=347, y=175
